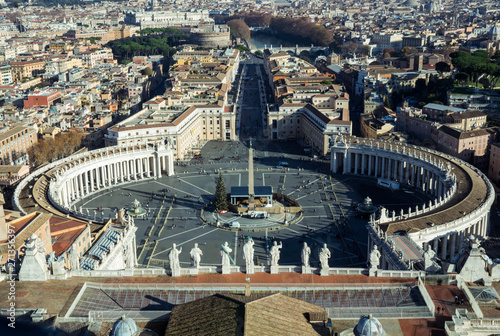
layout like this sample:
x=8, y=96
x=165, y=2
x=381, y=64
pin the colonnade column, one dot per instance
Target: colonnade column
x=453, y=245
x=98, y=177
x=158, y=164
x=418, y=172
x=356, y=163
x=369, y=165
x=133, y=176
x=86, y=181
x=401, y=171
x=363, y=163
x=389, y=168
x=120, y=171
x=382, y=173
x=444, y=247
x=92, y=180
x=80, y=186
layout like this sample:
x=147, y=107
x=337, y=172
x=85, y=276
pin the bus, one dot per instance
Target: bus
x=393, y=185
x=258, y=214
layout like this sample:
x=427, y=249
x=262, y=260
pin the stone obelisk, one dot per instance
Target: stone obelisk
x=251, y=192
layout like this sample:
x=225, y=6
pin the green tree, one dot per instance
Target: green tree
x=387, y=52
x=147, y=71
x=326, y=82
x=258, y=53
x=462, y=77
x=241, y=29
x=220, y=195
x=407, y=51
x=241, y=48
x=442, y=67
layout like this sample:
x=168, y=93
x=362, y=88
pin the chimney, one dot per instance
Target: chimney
x=3, y=224
x=345, y=114
x=247, y=287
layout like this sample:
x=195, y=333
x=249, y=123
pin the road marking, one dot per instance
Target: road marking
x=187, y=241
x=194, y=185
x=173, y=188
x=178, y=234
x=110, y=191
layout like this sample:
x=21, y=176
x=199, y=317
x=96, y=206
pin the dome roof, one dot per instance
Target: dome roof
x=369, y=326
x=411, y=3
x=124, y=327
x=495, y=30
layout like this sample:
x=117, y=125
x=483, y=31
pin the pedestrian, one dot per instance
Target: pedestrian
x=461, y=301
x=438, y=310
x=456, y=299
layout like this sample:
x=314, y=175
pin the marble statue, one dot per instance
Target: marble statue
x=34, y=264
x=275, y=253
x=428, y=256
x=120, y=216
x=374, y=261
x=374, y=257
x=324, y=255
x=74, y=259
x=224, y=252
x=195, y=254
x=248, y=251
x=173, y=257
x=306, y=252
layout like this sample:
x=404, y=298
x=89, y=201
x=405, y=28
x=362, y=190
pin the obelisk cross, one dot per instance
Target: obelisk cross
x=251, y=192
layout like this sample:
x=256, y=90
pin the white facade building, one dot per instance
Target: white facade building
x=460, y=199
x=161, y=19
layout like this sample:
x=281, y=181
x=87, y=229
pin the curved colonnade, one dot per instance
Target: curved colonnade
x=460, y=199
x=80, y=175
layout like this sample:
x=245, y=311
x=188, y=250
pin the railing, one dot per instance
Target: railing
x=379, y=312
x=438, y=170
x=41, y=170
x=475, y=306
x=136, y=315
x=102, y=154
x=419, y=153
x=256, y=286
x=427, y=298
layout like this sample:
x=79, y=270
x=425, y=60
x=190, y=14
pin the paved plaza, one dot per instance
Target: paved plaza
x=174, y=204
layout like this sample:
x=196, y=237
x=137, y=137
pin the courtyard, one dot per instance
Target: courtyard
x=174, y=204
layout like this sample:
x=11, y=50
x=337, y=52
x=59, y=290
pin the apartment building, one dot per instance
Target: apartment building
x=6, y=75
x=15, y=142
x=187, y=128
x=26, y=69
x=470, y=146
x=309, y=126
x=89, y=58
x=42, y=98
x=494, y=163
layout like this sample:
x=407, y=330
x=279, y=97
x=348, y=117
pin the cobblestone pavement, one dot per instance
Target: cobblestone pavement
x=178, y=220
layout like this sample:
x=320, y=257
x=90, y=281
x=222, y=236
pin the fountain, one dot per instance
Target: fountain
x=366, y=208
x=137, y=210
